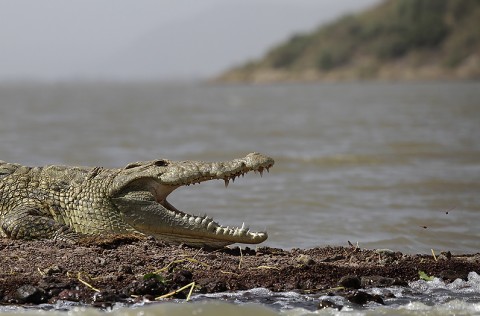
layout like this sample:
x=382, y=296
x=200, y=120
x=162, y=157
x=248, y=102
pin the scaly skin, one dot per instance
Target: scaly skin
x=66, y=203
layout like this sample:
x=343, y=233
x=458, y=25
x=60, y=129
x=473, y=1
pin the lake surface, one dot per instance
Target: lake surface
x=384, y=165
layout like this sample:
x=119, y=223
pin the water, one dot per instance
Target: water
x=383, y=165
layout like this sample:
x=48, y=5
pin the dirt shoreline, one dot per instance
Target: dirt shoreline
x=127, y=269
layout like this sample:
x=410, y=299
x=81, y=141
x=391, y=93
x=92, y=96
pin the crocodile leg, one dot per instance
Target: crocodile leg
x=28, y=223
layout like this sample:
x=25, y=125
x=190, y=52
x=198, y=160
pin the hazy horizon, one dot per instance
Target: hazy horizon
x=55, y=40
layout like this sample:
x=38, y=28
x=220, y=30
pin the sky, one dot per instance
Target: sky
x=56, y=40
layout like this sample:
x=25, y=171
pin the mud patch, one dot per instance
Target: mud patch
x=103, y=271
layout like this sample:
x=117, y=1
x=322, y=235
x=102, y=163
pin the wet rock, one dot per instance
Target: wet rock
x=389, y=295
x=361, y=298
x=380, y=281
x=31, y=294
x=328, y=304
x=350, y=282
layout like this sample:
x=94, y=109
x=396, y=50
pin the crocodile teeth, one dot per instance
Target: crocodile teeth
x=212, y=226
x=232, y=177
x=240, y=231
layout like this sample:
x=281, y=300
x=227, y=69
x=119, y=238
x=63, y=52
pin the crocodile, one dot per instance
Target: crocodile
x=70, y=203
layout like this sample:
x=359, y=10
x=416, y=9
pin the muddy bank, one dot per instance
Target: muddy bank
x=127, y=269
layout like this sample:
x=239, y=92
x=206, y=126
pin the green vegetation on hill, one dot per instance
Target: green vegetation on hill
x=398, y=39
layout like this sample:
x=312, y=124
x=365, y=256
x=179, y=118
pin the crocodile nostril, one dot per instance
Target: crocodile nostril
x=160, y=163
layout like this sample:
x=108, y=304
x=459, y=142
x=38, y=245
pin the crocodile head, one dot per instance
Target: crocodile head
x=141, y=189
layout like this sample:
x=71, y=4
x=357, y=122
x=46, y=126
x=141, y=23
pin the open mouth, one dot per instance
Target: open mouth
x=205, y=225
x=144, y=205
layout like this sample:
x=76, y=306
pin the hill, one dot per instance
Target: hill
x=396, y=40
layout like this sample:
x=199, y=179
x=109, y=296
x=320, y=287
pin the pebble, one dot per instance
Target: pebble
x=361, y=298
x=328, y=304
x=305, y=260
x=31, y=294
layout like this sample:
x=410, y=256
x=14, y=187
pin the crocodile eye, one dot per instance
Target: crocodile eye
x=160, y=163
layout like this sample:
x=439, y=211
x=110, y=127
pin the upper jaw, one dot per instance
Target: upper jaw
x=175, y=174
x=191, y=172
